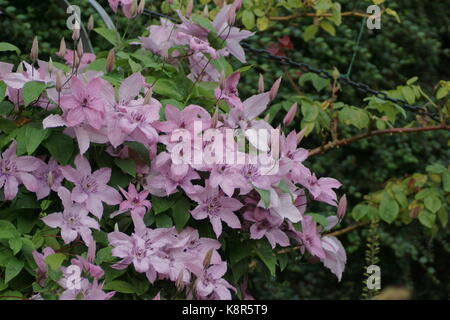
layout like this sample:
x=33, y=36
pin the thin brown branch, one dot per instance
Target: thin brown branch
x=343, y=14
x=368, y=134
x=331, y=234
x=292, y=82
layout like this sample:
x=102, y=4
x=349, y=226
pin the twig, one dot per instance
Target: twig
x=346, y=141
x=343, y=14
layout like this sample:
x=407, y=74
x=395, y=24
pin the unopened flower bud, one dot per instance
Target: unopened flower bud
x=34, y=50
x=290, y=115
x=110, y=61
x=237, y=5
x=342, y=207
x=90, y=24
x=80, y=49
x=261, y=83
x=141, y=7
x=189, y=8
x=50, y=178
x=76, y=61
x=76, y=31
x=267, y=117
x=206, y=11
x=50, y=67
x=231, y=17
x=20, y=68
x=148, y=96
x=133, y=10
x=58, y=81
x=208, y=257
x=180, y=283
x=62, y=47
x=300, y=135
x=215, y=119
x=274, y=89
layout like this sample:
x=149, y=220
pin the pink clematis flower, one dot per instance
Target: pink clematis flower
x=214, y=205
x=142, y=250
x=125, y=4
x=210, y=284
x=49, y=178
x=86, y=59
x=266, y=225
x=85, y=104
x=335, y=257
x=321, y=189
x=73, y=221
x=309, y=237
x=135, y=202
x=165, y=176
x=227, y=91
x=15, y=170
x=41, y=270
x=87, y=290
x=91, y=189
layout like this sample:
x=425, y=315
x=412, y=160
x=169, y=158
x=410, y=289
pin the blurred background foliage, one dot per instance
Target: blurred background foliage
x=410, y=256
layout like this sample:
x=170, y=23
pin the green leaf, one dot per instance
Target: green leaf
x=427, y=218
x=180, y=213
x=5, y=46
x=388, y=209
x=328, y=27
x=160, y=205
x=203, y=22
x=55, y=260
x=310, y=111
x=412, y=81
x=6, y=108
x=127, y=166
x=265, y=196
x=163, y=221
x=318, y=218
x=310, y=32
x=104, y=255
x=34, y=135
x=323, y=5
x=119, y=286
x=32, y=90
x=266, y=254
x=354, y=116
x=433, y=204
x=262, y=23
x=319, y=83
x=13, y=268
x=5, y=256
x=109, y=34
x=248, y=19
x=408, y=94
x=443, y=216
x=8, y=230
x=2, y=90
x=362, y=210
x=436, y=168
x=446, y=181
x=60, y=146
x=15, y=245
x=168, y=88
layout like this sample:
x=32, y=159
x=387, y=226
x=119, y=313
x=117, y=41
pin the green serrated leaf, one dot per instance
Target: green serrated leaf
x=127, y=166
x=32, y=91
x=119, y=286
x=55, y=260
x=180, y=213
x=13, y=268
x=388, y=209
